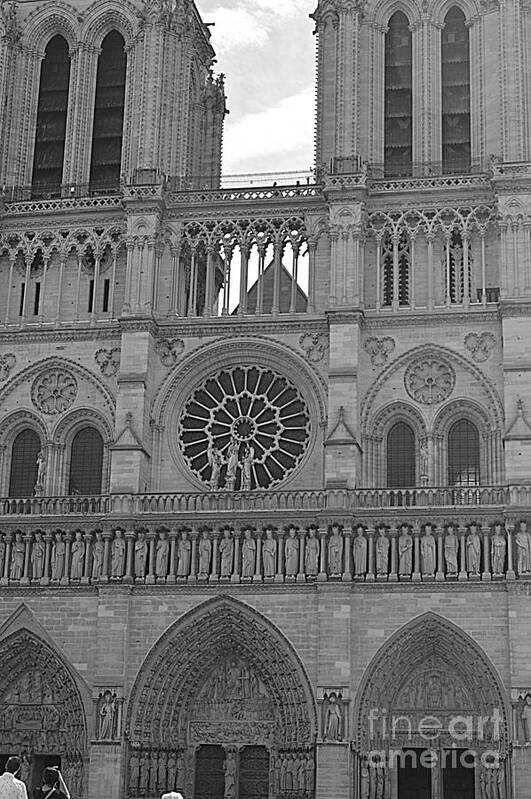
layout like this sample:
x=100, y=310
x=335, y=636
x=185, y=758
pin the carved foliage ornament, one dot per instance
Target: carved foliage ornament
x=108, y=361
x=54, y=391
x=169, y=350
x=379, y=350
x=479, y=345
x=429, y=380
x=314, y=345
x=7, y=362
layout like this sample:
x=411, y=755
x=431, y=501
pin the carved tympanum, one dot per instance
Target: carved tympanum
x=54, y=391
x=429, y=380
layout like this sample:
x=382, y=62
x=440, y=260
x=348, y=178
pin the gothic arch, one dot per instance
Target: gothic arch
x=106, y=15
x=64, y=434
x=10, y=426
x=384, y=10
x=177, y=666
x=49, y=20
x=461, y=408
x=441, y=8
x=398, y=411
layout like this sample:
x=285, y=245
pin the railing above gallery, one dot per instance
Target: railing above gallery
x=379, y=552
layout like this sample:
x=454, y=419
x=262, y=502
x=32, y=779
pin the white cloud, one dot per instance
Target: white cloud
x=238, y=28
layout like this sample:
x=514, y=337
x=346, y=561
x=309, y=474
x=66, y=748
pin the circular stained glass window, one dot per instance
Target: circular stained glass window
x=244, y=428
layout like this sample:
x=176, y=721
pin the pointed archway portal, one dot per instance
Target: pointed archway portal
x=222, y=709
x=431, y=718
x=42, y=715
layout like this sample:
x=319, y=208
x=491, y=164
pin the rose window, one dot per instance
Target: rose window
x=429, y=381
x=244, y=428
x=54, y=391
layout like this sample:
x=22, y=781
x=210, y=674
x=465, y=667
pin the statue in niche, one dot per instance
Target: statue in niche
x=226, y=549
x=58, y=557
x=498, y=549
x=98, y=551
x=523, y=546
x=78, y=556
x=247, y=465
x=41, y=469
x=382, y=552
x=144, y=771
x=183, y=555
x=17, y=557
x=332, y=720
x=215, y=459
x=473, y=550
x=359, y=551
x=405, y=551
x=248, y=553
x=229, y=769
x=141, y=553
x=134, y=771
x=37, y=556
x=525, y=715
x=163, y=549
x=232, y=464
x=451, y=546
x=172, y=770
x=335, y=551
x=291, y=551
x=118, y=555
x=107, y=717
x=161, y=775
x=205, y=554
x=269, y=553
x=424, y=459
x=428, y=551
x=311, y=555
x=365, y=779
x=309, y=779
x=2, y=555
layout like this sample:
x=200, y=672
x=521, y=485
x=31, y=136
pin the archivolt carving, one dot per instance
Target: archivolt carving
x=164, y=697
x=106, y=15
x=72, y=422
x=47, y=21
x=17, y=421
x=397, y=412
x=461, y=408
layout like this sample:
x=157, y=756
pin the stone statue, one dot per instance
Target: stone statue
x=269, y=553
x=523, y=545
x=118, y=555
x=226, y=549
x=58, y=557
x=232, y=464
x=41, y=469
x=359, y=551
x=291, y=551
x=333, y=719
x=230, y=775
x=163, y=549
x=451, y=546
x=498, y=548
x=473, y=550
x=365, y=780
x=183, y=555
x=311, y=555
x=17, y=557
x=98, y=551
x=2, y=555
x=335, y=551
x=78, y=556
x=526, y=718
x=424, y=458
x=428, y=551
x=405, y=551
x=37, y=556
x=382, y=552
x=247, y=464
x=141, y=553
x=215, y=459
x=205, y=554
x=107, y=715
x=248, y=554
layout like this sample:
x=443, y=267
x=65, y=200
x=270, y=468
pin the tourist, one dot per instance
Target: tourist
x=53, y=785
x=10, y=786
x=172, y=795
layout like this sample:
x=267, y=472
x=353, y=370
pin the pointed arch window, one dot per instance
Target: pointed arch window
x=86, y=462
x=458, y=265
x=398, y=293
x=23, y=476
x=401, y=456
x=463, y=454
x=107, y=137
x=398, y=105
x=455, y=86
x=52, y=107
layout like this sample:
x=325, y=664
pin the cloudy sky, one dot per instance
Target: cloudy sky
x=267, y=51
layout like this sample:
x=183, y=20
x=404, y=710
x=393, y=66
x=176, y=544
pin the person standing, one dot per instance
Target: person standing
x=53, y=785
x=10, y=786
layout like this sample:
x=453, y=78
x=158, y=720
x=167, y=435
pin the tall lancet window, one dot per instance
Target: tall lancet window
x=51, y=119
x=107, y=136
x=398, y=111
x=455, y=78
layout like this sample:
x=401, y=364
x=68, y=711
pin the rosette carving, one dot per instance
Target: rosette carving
x=429, y=380
x=54, y=391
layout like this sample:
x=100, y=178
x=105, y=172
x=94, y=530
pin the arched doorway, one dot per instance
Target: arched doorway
x=41, y=712
x=431, y=718
x=222, y=707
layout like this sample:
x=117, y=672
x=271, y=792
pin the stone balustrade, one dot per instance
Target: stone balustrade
x=375, y=553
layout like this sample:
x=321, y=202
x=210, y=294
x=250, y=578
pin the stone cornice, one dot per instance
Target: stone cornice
x=438, y=316
x=69, y=334
x=510, y=308
x=345, y=316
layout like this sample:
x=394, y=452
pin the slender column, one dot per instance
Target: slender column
x=94, y=313
x=113, y=282
x=510, y=575
x=78, y=284
x=151, y=538
x=370, y=547
x=301, y=576
x=43, y=292
x=192, y=577
x=45, y=579
x=12, y=259
x=259, y=309
x=258, y=565
x=279, y=577
x=7, y=561
x=429, y=238
x=347, y=550
x=173, y=543
x=393, y=535
x=65, y=579
x=141, y=245
x=483, y=269
x=28, y=538
x=527, y=257
x=504, y=287
x=462, y=553
x=486, y=552
x=466, y=276
x=214, y=572
x=26, y=289
x=345, y=236
x=416, y=554
x=209, y=289
x=293, y=300
x=130, y=536
x=333, y=266
x=175, y=274
x=378, y=272
x=357, y=266
x=322, y=576
x=87, y=537
x=412, y=250
x=395, y=240
x=439, y=576
x=312, y=249
x=236, y=565
x=130, y=248
x=244, y=265
x=515, y=259
x=107, y=535
x=227, y=262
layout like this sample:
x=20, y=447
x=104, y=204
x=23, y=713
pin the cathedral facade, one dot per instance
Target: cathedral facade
x=265, y=453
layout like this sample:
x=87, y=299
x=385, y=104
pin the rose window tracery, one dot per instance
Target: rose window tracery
x=429, y=380
x=54, y=391
x=244, y=428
